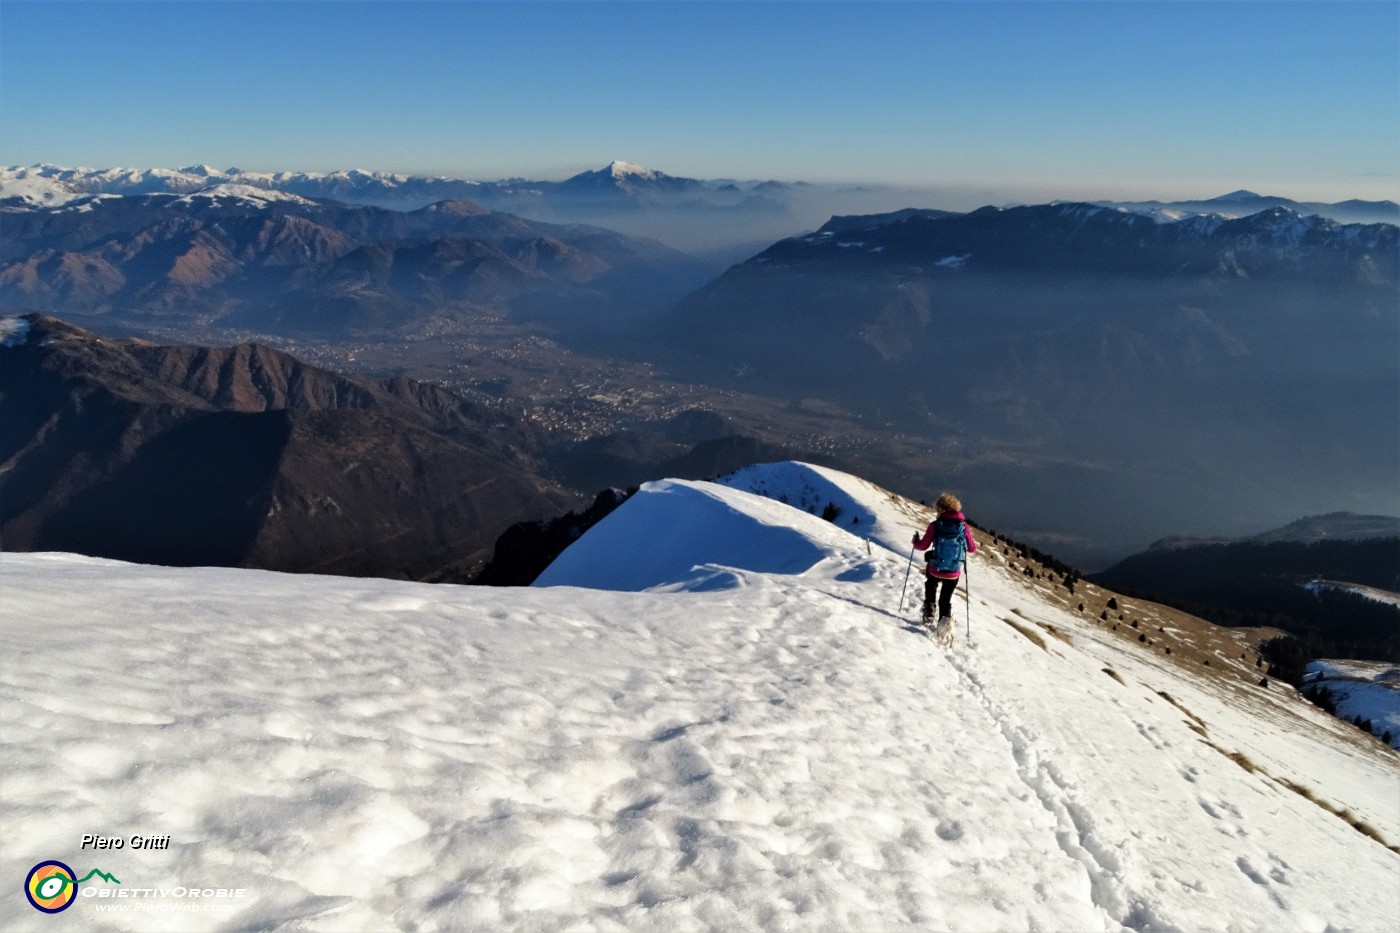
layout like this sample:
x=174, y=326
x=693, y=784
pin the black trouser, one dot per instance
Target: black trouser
x=939, y=590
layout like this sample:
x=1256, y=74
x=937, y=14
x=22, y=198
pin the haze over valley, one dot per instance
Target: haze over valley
x=1110, y=355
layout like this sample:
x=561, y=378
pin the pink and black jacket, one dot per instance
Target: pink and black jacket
x=927, y=541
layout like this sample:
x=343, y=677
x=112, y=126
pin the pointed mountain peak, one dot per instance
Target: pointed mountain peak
x=1243, y=194
x=621, y=175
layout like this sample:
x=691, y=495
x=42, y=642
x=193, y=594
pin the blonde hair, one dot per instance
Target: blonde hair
x=948, y=503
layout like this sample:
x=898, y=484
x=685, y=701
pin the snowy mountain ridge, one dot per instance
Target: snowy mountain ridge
x=710, y=714
x=53, y=185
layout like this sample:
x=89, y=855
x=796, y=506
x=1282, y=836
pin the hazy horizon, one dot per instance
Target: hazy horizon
x=950, y=196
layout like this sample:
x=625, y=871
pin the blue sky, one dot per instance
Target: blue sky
x=1042, y=99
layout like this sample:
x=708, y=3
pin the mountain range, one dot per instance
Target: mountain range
x=1242, y=203
x=1339, y=596
x=619, y=186
x=1334, y=526
x=1224, y=365
x=263, y=259
x=725, y=219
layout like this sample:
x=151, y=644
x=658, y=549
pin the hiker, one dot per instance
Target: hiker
x=951, y=541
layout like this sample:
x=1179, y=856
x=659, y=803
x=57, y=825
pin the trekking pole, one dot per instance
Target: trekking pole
x=968, y=577
x=905, y=589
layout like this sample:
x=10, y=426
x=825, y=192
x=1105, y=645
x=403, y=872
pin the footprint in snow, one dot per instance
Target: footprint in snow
x=949, y=830
x=1253, y=874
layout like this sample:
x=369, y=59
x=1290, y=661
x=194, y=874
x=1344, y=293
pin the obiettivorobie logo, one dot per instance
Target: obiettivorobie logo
x=52, y=886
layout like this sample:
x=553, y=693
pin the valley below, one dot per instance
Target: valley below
x=597, y=390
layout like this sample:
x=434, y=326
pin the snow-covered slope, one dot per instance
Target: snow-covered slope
x=1365, y=592
x=716, y=718
x=1369, y=689
x=247, y=194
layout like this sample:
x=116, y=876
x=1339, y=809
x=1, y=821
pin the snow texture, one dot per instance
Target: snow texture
x=715, y=719
x=247, y=194
x=35, y=189
x=621, y=169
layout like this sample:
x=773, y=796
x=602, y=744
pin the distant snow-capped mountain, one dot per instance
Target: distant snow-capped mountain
x=619, y=170
x=628, y=178
x=628, y=183
x=245, y=193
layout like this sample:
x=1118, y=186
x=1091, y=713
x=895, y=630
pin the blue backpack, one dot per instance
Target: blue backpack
x=949, y=546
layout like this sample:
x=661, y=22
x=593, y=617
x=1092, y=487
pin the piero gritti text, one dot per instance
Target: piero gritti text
x=132, y=842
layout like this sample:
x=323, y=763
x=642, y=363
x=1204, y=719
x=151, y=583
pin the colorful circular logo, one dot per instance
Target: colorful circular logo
x=51, y=887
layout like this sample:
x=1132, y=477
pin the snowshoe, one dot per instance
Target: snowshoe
x=943, y=631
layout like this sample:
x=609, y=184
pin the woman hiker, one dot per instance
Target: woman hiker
x=951, y=541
